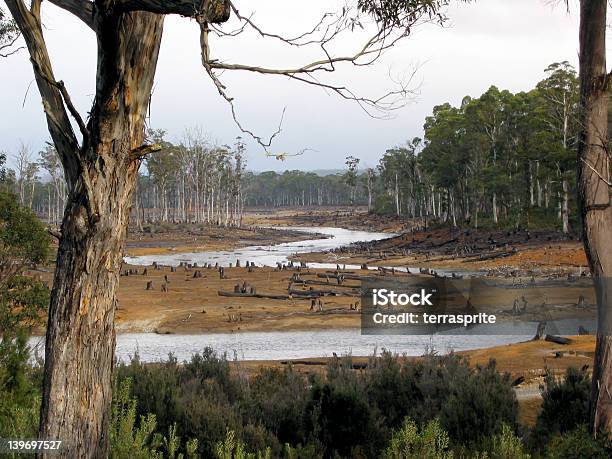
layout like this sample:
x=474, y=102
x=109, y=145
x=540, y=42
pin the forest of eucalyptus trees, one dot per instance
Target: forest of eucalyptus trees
x=193, y=181
x=500, y=159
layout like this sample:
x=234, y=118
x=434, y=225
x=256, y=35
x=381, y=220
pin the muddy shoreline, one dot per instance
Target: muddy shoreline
x=191, y=302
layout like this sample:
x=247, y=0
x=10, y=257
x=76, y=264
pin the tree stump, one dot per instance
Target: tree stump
x=150, y=285
x=540, y=332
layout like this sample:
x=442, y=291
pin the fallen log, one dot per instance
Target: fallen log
x=348, y=277
x=320, y=293
x=493, y=256
x=269, y=296
x=557, y=339
x=314, y=282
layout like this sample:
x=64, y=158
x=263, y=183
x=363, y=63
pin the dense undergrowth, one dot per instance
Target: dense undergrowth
x=435, y=407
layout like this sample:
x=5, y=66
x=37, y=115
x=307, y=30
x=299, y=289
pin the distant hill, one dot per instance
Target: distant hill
x=324, y=172
x=319, y=172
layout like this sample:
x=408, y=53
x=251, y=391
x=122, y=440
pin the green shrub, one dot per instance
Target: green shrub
x=343, y=413
x=127, y=438
x=342, y=421
x=471, y=403
x=135, y=440
x=579, y=444
x=23, y=302
x=480, y=402
x=232, y=448
x=565, y=406
x=431, y=442
x=277, y=400
x=507, y=445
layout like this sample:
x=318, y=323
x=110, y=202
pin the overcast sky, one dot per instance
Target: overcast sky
x=493, y=42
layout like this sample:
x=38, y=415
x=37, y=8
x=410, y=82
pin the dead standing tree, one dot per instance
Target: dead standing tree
x=101, y=164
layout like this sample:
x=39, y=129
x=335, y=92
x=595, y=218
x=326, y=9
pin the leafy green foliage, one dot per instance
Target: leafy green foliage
x=8, y=33
x=23, y=300
x=578, y=444
x=23, y=239
x=565, y=405
x=499, y=159
x=232, y=448
x=343, y=413
x=140, y=440
x=411, y=443
x=403, y=13
x=471, y=403
x=127, y=439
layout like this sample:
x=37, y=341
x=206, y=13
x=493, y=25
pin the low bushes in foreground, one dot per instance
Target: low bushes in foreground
x=343, y=413
x=433, y=407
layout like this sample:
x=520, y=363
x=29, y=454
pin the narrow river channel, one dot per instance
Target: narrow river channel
x=278, y=345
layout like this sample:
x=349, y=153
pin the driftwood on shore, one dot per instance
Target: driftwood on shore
x=317, y=293
x=557, y=339
x=491, y=256
x=348, y=277
x=314, y=282
x=253, y=295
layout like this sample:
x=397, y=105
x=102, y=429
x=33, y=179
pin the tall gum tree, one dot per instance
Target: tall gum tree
x=594, y=195
x=102, y=158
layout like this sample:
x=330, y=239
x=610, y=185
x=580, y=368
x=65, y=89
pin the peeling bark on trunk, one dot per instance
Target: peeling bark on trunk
x=80, y=342
x=594, y=196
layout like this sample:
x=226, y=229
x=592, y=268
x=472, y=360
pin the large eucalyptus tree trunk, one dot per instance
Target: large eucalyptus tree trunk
x=100, y=172
x=594, y=195
x=80, y=341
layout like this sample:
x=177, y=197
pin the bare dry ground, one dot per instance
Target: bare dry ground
x=533, y=252
x=192, y=304
x=356, y=218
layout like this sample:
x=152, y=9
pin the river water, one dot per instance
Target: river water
x=268, y=255
x=290, y=344
x=277, y=345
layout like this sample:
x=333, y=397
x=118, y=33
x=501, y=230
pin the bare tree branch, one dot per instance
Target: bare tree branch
x=325, y=31
x=8, y=45
x=58, y=121
x=596, y=172
x=212, y=11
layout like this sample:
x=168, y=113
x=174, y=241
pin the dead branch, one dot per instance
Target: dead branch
x=9, y=45
x=144, y=150
x=58, y=120
x=327, y=29
x=55, y=233
x=596, y=172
